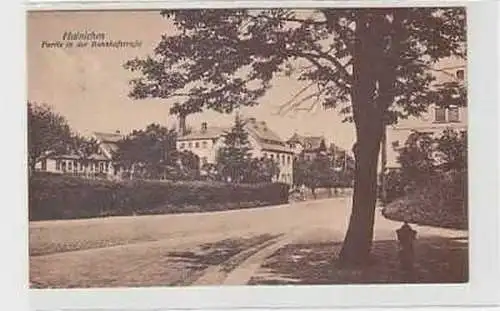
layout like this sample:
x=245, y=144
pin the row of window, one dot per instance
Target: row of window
x=196, y=144
x=450, y=114
x=75, y=166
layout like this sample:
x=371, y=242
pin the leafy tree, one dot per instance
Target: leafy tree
x=425, y=159
x=416, y=157
x=261, y=170
x=48, y=133
x=372, y=63
x=147, y=152
x=189, y=160
x=234, y=156
x=424, y=155
x=300, y=171
x=452, y=150
x=83, y=146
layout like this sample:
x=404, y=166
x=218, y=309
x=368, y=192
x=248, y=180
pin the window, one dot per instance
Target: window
x=44, y=165
x=460, y=74
x=197, y=145
x=182, y=145
x=204, y=160
x=272, y=156
x=288, y=159
x=440, y=114
x=101, y=167
x=106, y=166
x=63, y=166
x=75, y=165
x=453, y=114
x=70, y=166
x=204, y=144
x=58, y=165
x=190, y=145
x=283, y=159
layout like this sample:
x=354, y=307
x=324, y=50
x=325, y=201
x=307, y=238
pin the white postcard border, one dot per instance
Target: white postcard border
x=484, y=238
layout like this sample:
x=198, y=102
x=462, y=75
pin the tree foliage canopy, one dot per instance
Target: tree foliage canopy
x=223, y=59
x=48, y=133
x=234, y=155
x=152, y=147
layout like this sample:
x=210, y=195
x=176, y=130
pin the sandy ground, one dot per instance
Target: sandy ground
x=184, y=249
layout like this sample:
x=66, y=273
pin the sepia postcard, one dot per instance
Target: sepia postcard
x=177, y=147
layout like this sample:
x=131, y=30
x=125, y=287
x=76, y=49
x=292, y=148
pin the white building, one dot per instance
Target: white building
x=436, y=119
x=96, y=165
x=308, y=146
x=207, y=141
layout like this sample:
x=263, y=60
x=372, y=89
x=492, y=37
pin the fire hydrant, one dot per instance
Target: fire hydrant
x=406, y=237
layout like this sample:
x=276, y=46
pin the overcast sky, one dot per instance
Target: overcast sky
x=89, y=85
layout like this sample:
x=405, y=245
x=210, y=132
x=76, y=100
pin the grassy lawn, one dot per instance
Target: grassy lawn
x=438, y=260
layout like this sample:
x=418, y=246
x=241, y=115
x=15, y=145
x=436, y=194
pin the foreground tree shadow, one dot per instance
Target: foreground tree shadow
x=437, y=260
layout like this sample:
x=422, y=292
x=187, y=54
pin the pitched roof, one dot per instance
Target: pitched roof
x=78, y=157
x=308, y=142
x=98, y=157
x=109, y=148
x=275, y=147
x=266, y=138
x=107, y=142
x=260, y=130
x=108, y=137
x=67, y=156
x=209, y=133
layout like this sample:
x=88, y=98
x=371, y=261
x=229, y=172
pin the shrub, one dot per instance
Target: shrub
x=441, y=202
x=65, y=197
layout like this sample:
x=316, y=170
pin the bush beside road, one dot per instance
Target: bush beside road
x=67, y=197
x=442, y=202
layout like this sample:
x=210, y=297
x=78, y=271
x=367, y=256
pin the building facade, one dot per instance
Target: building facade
x=264, y=143
x=306, y=146
x=435, y=120
x=100, y=164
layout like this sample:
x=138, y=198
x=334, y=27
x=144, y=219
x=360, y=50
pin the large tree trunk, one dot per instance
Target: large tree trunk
x=368, y=119
x=358, y=239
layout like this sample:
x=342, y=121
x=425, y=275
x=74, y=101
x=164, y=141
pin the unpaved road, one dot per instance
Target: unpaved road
x=200, y=249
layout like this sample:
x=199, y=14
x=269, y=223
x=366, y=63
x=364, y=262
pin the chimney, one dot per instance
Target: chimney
x=204, y=127
x=117, y=132
x=182, y=125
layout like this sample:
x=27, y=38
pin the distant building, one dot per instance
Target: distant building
x=307, y=146
x=95, y=165
x=207, y=141
x=108, y=143
x=436, y=119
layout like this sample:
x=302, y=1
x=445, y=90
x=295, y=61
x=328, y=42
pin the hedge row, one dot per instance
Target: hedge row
x=442, y=202
x=67, y=197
